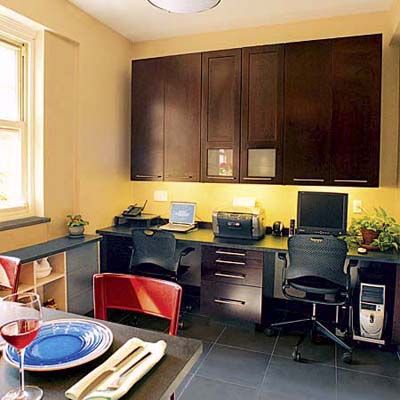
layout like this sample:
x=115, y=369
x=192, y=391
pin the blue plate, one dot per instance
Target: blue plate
x=63, y=344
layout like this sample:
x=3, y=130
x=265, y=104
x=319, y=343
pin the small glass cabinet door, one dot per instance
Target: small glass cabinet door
x=220, y=163
x=261, y=163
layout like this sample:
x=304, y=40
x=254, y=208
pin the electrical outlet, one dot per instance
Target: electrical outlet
x=357, y=206
x=160, y=195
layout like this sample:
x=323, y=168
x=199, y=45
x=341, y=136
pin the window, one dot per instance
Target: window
x=15, y=193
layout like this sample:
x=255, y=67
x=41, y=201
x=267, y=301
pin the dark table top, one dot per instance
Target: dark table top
x=159, y=383
x=269, y=243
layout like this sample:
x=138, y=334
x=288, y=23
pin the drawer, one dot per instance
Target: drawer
x=232, y=274
x=231, y=301
x=220, y=256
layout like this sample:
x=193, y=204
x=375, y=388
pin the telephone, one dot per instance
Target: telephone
x=134, y=210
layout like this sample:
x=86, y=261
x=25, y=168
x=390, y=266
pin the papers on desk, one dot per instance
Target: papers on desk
x=113, y=379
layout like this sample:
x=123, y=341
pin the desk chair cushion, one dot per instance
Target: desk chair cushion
x=317, y=260
x=315, y=285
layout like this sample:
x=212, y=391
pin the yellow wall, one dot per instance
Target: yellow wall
x=86, y=119
x=280, y=201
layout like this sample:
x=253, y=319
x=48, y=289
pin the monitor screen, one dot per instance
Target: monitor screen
x=182, y=213
x=319, y=212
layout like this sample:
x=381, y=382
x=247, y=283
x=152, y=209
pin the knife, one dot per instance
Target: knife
x=100, y=378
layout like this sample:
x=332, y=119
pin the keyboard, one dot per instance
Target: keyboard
x=177, y=227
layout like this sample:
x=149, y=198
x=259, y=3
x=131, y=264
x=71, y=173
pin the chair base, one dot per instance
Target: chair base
x=312, y=325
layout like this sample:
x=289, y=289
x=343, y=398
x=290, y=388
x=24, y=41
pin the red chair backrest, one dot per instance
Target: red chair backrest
x=139, y=294
x=10, y=269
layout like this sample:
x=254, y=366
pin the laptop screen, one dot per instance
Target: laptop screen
x=182, y=213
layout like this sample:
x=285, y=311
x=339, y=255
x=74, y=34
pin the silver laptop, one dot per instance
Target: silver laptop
x=181, y=218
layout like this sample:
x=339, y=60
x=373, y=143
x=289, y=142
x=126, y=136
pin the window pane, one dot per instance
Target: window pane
x=11, y=185
x=9, y=82
x=220, y=162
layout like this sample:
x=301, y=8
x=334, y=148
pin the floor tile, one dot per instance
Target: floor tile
x=372, y=361
x=183, y=385
x=206, y=350
x=360, y=386
x=315, y=353
x=235, y=366
x=289, y=380
x=249, y=339
x=201, y=328
x=207, y=389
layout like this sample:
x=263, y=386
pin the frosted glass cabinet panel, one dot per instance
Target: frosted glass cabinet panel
x=220, y=162
x=261, y=163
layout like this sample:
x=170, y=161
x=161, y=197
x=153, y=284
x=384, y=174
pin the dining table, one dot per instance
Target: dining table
x=159, y=383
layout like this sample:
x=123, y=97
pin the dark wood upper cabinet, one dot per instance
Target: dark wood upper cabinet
x=147, y=154
x=220, y=115
x=356, y=111
x=308, y=112
x=182, y=117
x=262, y=112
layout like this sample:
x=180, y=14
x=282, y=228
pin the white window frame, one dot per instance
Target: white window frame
x=22, y=36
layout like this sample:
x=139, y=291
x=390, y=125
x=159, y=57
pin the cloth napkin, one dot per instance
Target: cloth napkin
x=157, y=352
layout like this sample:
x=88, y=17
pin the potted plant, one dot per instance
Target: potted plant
x=76, y=225
x=375, y=231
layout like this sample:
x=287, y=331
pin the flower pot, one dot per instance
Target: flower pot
x=76, y=231
x=369, y=236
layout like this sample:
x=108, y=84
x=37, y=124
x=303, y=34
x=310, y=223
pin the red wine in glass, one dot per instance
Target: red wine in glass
x=20, y=333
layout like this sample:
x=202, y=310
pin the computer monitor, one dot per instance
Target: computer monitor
x=322, y=213
x=182, y=213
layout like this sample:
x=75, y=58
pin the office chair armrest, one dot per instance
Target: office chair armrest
x=352, y=264
x=282, y=257
x=186, y=251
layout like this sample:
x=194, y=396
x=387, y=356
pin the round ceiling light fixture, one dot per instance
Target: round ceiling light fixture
x=184, y=6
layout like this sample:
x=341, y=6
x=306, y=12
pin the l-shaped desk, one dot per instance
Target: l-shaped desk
x=116, y=250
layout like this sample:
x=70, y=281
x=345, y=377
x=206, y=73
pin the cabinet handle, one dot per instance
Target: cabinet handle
x=230, y=262
x=180, y=177
x=233, y=276
x=231, y=178
x=230, y=253
x=308, y=180
x=350, y=181
x=148, y=176
x=248, y=178
x=229, y=301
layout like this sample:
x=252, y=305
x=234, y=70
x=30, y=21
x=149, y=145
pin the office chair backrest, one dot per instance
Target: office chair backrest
x=9, y=273
x=139, y=294
x=317, y=256
x=154, y=247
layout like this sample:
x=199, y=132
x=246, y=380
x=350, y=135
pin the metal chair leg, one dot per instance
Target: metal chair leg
x=326, y=332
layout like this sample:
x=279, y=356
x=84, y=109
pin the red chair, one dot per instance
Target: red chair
x=139, y=294
x=10, y=268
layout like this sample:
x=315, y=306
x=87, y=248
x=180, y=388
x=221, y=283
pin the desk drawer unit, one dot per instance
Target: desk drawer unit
x=232, y=282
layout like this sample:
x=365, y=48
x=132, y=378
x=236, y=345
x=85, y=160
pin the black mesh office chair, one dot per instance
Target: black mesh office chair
x=154, y=254
x=316, y=268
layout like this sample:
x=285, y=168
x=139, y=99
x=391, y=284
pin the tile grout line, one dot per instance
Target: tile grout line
x=227, y=382
x=201, y=363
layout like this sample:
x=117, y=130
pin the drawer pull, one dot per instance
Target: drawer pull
x=148, y=176
x=230, y=253
x=308, y=180
x=230, y=262
x=233, y=276
x=230, y=302
x=231, y=178
x=350, y=181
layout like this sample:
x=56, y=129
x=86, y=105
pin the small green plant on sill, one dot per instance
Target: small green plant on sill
x=377, y=229
x=74, y=220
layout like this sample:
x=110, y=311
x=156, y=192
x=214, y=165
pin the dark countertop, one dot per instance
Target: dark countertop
x=269, y=243
x=158, y=384
x=46, y=249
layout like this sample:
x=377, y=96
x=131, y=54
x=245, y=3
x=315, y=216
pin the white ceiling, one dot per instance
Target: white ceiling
x=138, y=20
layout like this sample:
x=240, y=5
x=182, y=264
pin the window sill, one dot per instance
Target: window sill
x=22, y=222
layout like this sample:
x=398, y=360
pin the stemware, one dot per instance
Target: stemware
x=21, y=318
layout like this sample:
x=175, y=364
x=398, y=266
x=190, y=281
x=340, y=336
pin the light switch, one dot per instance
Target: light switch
x=357, y=206
x=160, y=195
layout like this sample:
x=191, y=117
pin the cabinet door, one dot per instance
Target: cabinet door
x=262, y=96
x=356, y=110
x=182, y=117
x=308, y=112
x=147, y=154
x=220, y=129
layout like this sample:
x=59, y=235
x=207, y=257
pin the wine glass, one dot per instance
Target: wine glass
x=20, y=324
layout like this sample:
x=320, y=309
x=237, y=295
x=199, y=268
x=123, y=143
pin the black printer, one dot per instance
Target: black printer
x=239, y=223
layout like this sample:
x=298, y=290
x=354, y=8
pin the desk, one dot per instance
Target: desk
x=158, y=384
x=118, y=238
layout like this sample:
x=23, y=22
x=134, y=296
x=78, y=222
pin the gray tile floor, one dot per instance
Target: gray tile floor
x=239, y=363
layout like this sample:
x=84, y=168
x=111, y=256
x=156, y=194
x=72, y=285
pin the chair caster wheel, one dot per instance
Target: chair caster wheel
x=347, y=358
x=181, y=325
x=296, y=356
x=270, y=332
